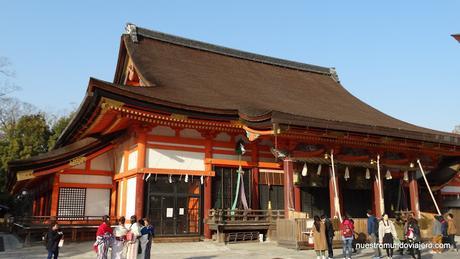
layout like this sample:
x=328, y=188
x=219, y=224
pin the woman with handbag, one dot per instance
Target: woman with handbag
x=319, y=238
x=132, y=238
x=53, y=238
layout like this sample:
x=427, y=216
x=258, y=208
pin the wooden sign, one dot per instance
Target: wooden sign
x=25, y=175
x=77, y=161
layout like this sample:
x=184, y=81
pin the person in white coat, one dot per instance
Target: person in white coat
x=387, y=235
x=132, y=238
x=118, y=245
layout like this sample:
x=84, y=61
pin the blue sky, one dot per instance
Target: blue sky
x=397, y=56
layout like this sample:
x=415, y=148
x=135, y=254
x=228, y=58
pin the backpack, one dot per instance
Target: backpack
x=376, y=226
x=410, y=234
x=346, y=231
x=444, y=227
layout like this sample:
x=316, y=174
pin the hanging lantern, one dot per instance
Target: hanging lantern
x=406, y=176
x=296, y=178
x=170, y=178
x=411, y=165
x=186, y=178
x=202, y=180
x=305, y=170
x=320, y=167
x=368, y=174
x=347, y=174
x=388, y=175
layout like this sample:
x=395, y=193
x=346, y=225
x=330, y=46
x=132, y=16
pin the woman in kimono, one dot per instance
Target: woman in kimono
x=132, y=238
x=104, y=237
x=146, y=239
x=118, y=245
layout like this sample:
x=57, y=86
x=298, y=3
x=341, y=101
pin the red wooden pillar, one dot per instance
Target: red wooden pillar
x=113, y=201
x=288, y=166
x=55, y=196
x=255, y=204
x=42, y=205
x=141, y=150
x=414, y=200
x=377, y=197
x=297, y=199
x=34, y=206
x=207, y=188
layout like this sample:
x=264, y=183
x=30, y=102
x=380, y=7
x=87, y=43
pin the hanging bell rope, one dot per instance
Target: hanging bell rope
x=336, y=197
x=428, y=186
x=379, y=183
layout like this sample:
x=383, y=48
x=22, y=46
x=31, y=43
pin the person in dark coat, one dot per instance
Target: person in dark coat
x=329, y=235
x=413, y=238
x=53, y=237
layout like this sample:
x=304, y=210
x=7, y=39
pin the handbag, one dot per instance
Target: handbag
x=61, y=242
x=311, y=238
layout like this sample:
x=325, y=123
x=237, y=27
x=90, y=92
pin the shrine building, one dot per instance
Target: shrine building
x=189, y=130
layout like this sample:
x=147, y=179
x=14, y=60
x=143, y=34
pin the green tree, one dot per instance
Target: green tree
x=25, y=138
x=57, y=128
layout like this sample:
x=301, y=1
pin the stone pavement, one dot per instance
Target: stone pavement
x=196, y=250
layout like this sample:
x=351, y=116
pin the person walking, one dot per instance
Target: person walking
x=104, y=237
x=387, y=235
x=413, y=238
x=347, y=228
x=148, y=232
x=437, y=235
x=329, y=235
x=319, y=238
x=451, y=231
x=118, y=245
x=132, y=238
x=373, y=232
x=52, y=238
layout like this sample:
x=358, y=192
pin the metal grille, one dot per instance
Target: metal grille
x=72, y=203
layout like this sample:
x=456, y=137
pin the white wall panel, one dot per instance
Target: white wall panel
x=97, y=202
x=163, y=131
x=174, y=159
x=131, y=197
x=102, y=162
x=132, y=160
x=455, y=189
x=80, y=178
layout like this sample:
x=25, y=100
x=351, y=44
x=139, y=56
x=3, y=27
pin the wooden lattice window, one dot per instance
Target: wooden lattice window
x=72, y=202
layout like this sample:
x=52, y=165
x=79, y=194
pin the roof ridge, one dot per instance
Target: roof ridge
x=135, y=31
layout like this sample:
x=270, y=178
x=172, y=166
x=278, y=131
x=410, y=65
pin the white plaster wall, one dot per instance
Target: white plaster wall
x=174, y=159
x=91, y=179
x=130, y=197
x=190, y=133
x=97, y=202
x=132, y=160
x=451, y=189
x=163, y=131
x=223, y=137
x=102, y=162
x=79, y=166
x=119, y=162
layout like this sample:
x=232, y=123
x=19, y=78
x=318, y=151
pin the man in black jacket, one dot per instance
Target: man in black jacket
x=53, y=237
x=329, y=235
